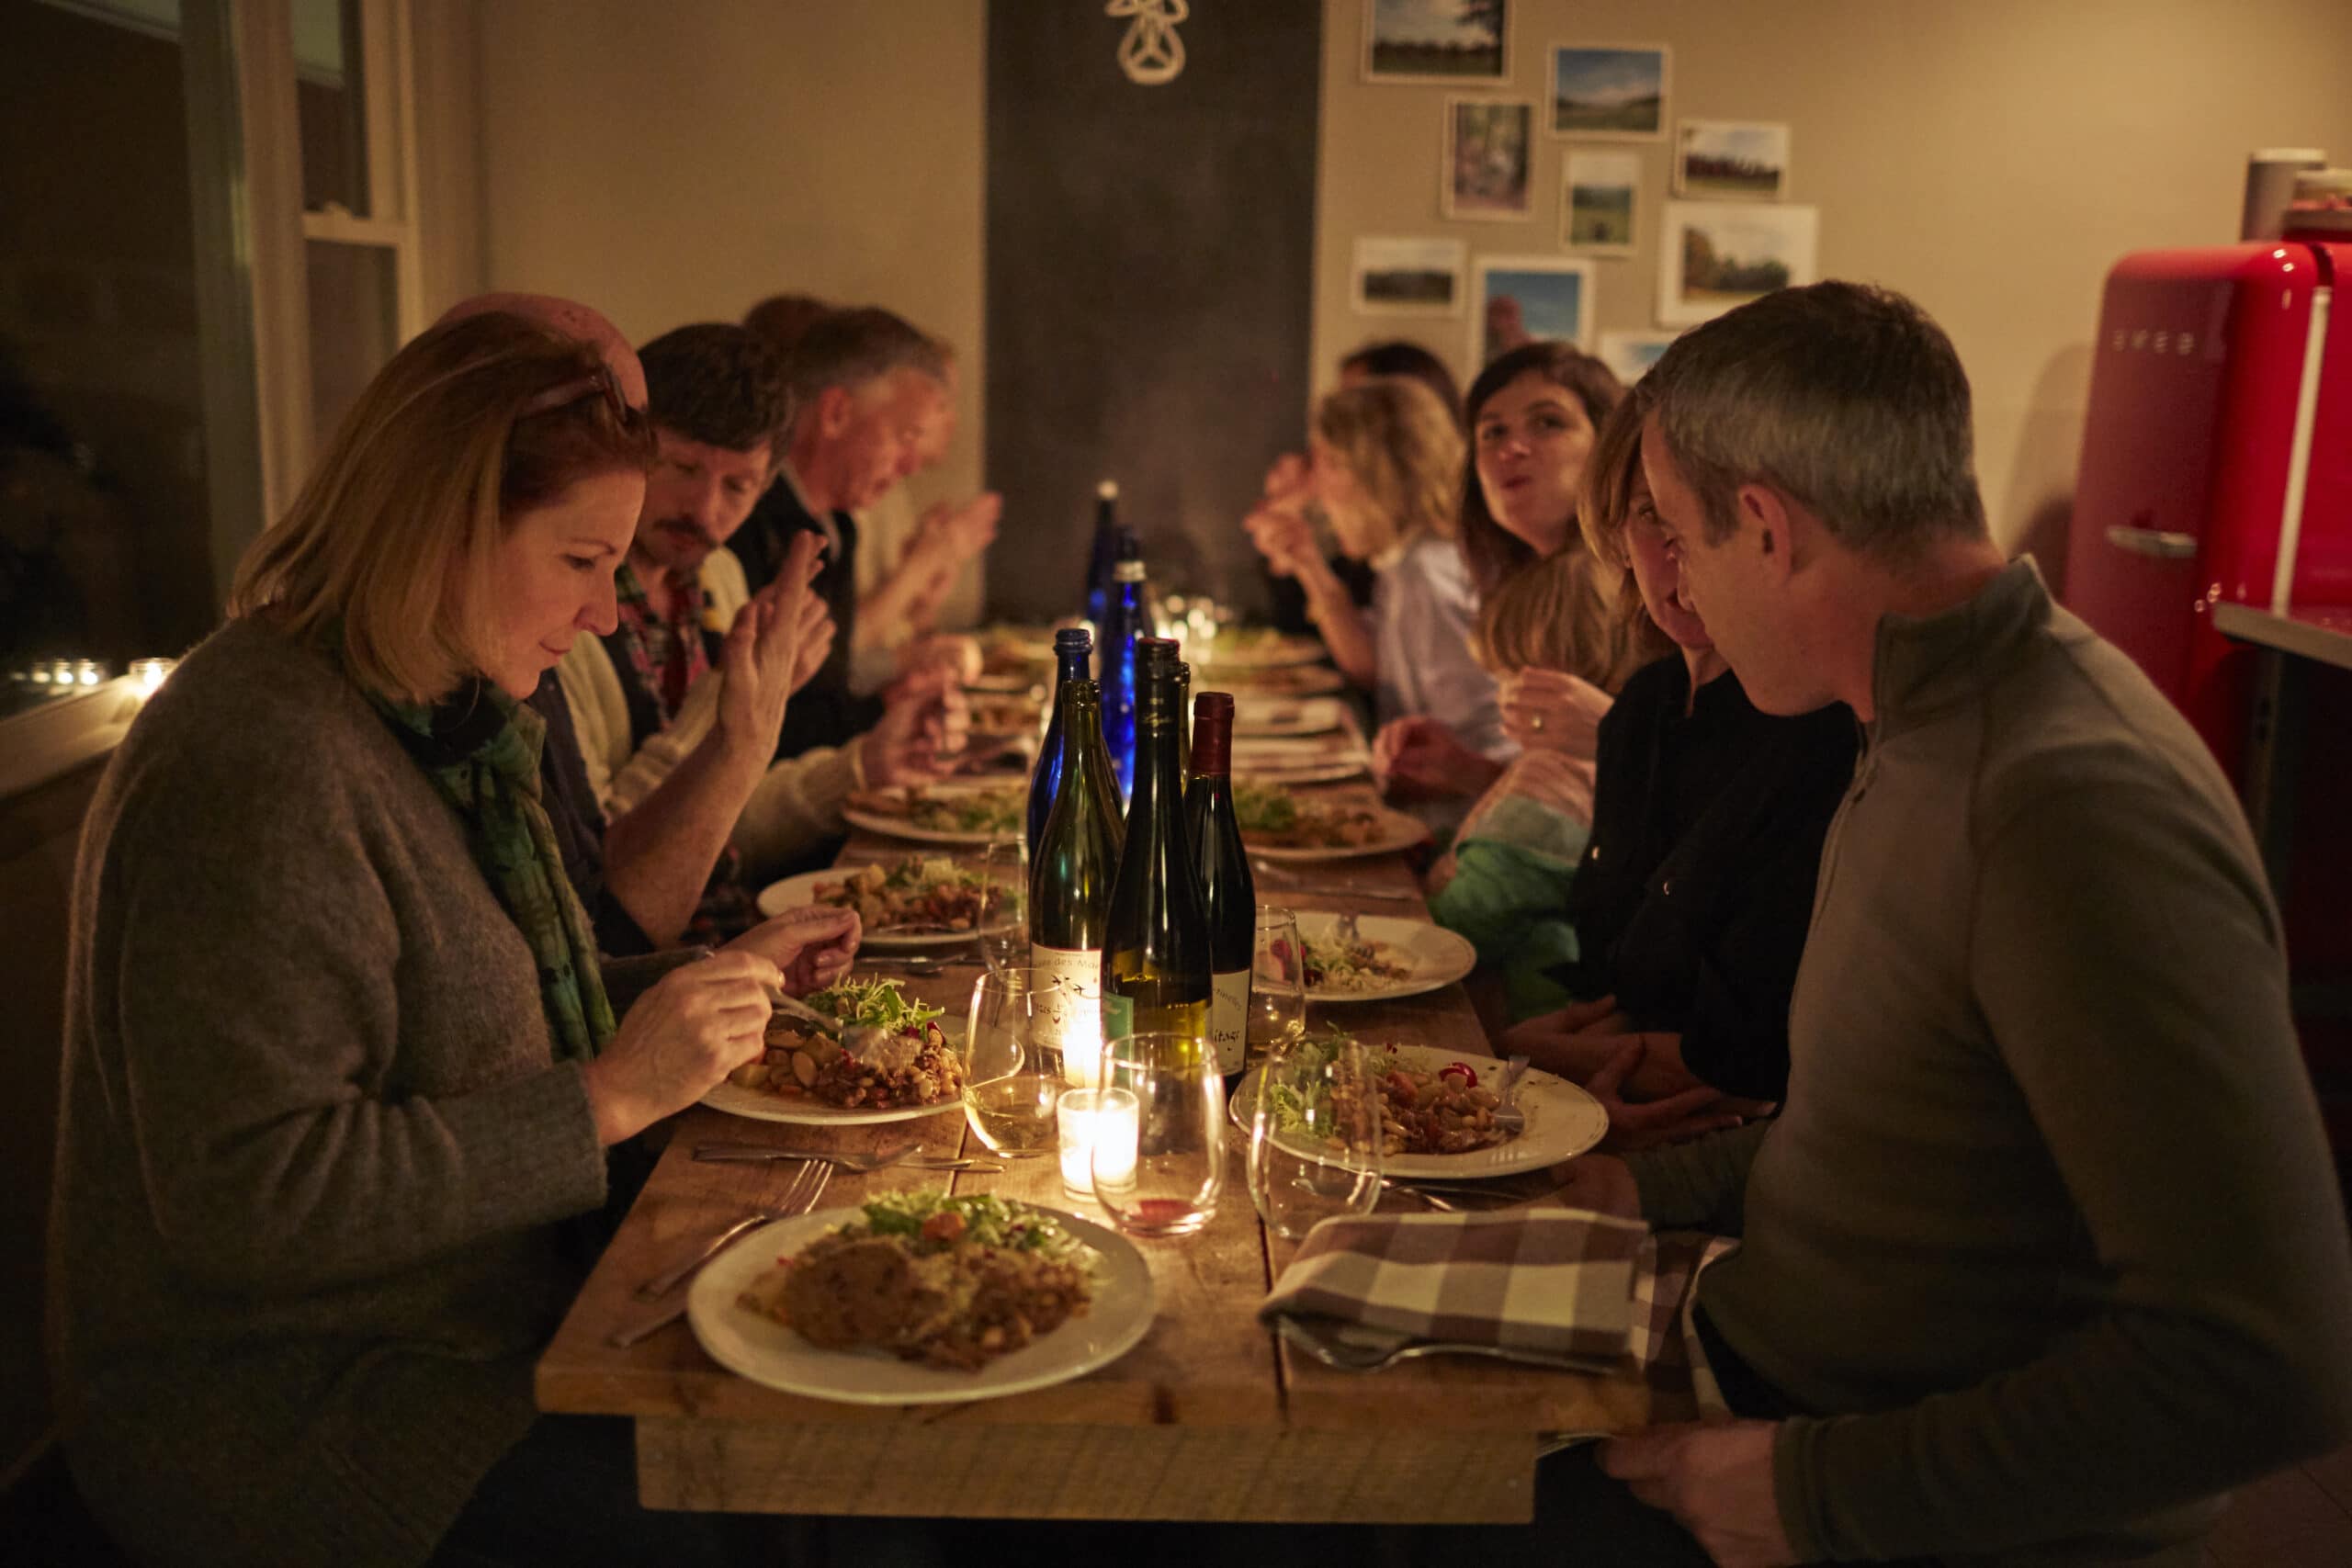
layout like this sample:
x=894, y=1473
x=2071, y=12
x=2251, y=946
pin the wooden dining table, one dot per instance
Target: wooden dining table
x=1210, y=1417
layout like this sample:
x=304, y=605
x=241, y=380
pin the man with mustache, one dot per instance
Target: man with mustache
x=670, y=759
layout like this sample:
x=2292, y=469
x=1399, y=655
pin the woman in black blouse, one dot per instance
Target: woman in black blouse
x=1691, y=903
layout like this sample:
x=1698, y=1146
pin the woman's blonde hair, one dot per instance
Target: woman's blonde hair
x=1405, y=450
x=388, y=546
x=1612, y=474
x=1559, y=612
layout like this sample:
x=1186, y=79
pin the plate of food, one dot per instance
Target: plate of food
x=1281, y=680
x=914, y=901
x=807, y=1077
x=1282, y=826
x=941, y=814
x=1385, y=959
x=1436, y=1111
x=1005, y=713
x=923, y=1298
x=1255, y=648
x=1288, y=716
x=1311, y=759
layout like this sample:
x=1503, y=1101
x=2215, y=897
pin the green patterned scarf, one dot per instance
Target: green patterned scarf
x=481, y=749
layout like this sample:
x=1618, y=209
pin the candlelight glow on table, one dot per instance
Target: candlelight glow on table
x=1098, y=1139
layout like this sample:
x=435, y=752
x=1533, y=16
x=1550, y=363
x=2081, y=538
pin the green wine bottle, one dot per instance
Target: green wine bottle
x=1156, y=962
x=1229, y=893
x=1071, y=872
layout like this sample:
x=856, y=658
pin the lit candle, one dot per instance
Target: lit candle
x=1082, y=1047
x=1098, y=1135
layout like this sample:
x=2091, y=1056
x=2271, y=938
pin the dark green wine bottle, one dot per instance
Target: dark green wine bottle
x=1155, y=961
x=1074, y=865
x=1229, y=893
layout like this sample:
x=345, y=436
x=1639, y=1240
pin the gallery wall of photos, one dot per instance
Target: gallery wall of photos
x=1624, y=156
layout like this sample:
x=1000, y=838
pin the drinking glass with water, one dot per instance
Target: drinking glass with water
x=1315, y=1134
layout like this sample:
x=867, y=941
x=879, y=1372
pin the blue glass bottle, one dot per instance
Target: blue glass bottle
x=1105, y=554
x=1073, y=652
x=1126, y=621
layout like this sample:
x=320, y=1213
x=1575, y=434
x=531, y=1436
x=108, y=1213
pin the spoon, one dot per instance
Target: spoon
x=851, y=1037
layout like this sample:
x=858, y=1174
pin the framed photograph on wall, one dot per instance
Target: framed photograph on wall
x=1629, y=355
x=1612, y=92
x=1489, y=157
x=1737, y=160
x=1716, y=254
x=1599, y=196
x=1409, y=277
x=1462, y=42
x=1518, y=298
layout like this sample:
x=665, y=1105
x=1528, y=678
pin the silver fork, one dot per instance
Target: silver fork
x=1507, y=1115
x=669, y=1280
x=1353, y=1348
x=799, y=1198
x=856, y=1164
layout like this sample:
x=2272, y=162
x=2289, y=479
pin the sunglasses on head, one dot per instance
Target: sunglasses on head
x=601, y=383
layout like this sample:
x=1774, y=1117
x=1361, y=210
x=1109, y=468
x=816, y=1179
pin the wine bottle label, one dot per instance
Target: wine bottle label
x=1074, y=1010
x=1230, y=1019
x=1118, y=1017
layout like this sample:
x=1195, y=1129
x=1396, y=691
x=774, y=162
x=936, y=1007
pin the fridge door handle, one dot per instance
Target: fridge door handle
x=2157, y=543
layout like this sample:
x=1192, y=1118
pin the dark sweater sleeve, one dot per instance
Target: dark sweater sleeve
x=2126, y=958
x=259, y=1020
x=1735, y=1034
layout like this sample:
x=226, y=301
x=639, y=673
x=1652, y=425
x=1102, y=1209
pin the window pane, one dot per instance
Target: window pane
x=355, y=326
x=331, y=100
x=104, y=517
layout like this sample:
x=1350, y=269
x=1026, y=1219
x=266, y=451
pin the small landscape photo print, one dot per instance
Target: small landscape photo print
x=1409, y=277
x=1716, y=255
x=1744, y=159
x=1487, y=157
x=1614, y=92
x=1520, y=298
x=1629, y=355
x=1597, y=196
x=1437, y=41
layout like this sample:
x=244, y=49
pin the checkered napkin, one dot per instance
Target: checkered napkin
x=1588, y=1289
x=1555, y=1283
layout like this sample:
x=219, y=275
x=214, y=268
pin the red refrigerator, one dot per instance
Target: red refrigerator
x=2220, y=426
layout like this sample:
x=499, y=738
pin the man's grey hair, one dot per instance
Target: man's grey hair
x=850, y=348
x=1846, y=397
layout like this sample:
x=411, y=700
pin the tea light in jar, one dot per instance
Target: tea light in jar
x=1099, y=1129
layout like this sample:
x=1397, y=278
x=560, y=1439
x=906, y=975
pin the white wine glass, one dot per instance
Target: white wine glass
x=1005, y=904
x=1315, y=1134
x=1012, y=1067
x=1166, y=1178
x=1277, y=984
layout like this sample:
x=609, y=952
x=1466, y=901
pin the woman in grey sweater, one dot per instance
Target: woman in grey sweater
x=341, y=1067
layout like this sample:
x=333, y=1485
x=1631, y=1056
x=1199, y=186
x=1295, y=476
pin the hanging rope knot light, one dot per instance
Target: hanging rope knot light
x=1151, y=53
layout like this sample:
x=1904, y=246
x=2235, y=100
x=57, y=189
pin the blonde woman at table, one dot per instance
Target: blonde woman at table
x=341, y=1067
x=1387, y=457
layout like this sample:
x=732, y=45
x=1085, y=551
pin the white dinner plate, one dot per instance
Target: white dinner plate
x=1563, y=1121
x=1436, y=957
x=899, y=828
x=1282, y=681
x=766, y=1351
x=1396, y=831
x=1257, y=650
x=760, y=1106
x=797, y=892
x=1286, y=715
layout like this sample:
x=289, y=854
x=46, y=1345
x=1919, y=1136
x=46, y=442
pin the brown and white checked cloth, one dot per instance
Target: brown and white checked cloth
x=1559, y=1282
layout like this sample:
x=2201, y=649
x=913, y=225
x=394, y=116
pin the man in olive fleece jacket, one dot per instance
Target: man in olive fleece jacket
x=2046, y=1251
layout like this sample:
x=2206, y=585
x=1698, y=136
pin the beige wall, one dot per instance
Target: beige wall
x=675, y=162
x=1991, y=158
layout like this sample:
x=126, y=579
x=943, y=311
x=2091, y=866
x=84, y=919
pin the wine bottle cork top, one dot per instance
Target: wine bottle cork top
x=1107, y=491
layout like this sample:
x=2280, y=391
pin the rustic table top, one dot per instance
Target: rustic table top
x=1209, y=1418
